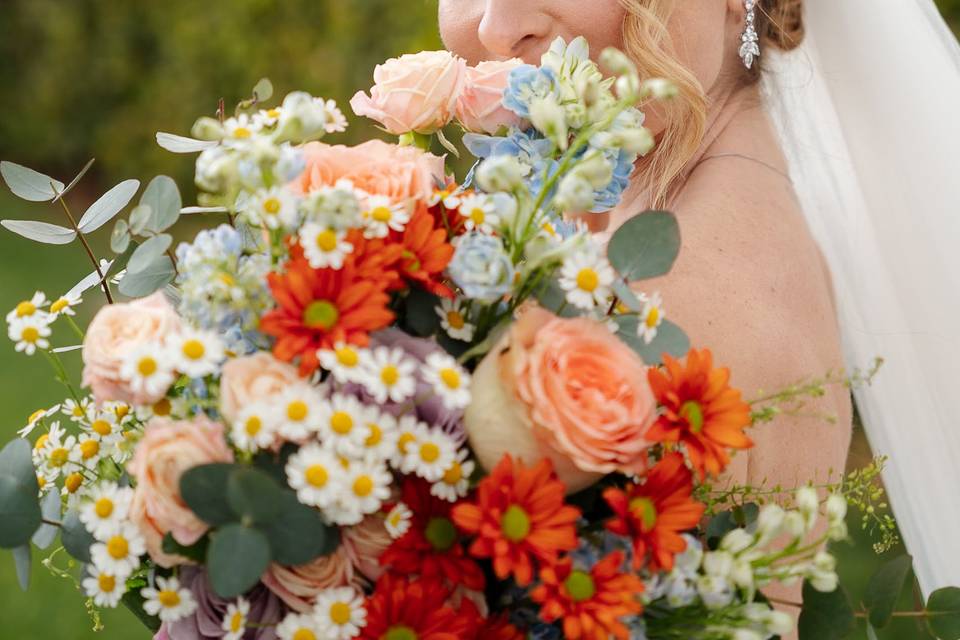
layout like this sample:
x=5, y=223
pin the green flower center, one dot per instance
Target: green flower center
x=692, y=412
x=515, y=524
x=441, y=533
x=321, y=314
x=644, y=509
x=580, y=586
x=400, y=633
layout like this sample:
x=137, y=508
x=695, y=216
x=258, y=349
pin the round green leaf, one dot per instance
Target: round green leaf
x=263, y=90
x=943, y=609
x=29, y=184
x=140, y=217
x=108, y=205
x=75, y=537
x=120, y=237
x=16, y=460
x=236, y=559
x=133, y=601
x=20, y=515
x=204, y=489
x=253, y=495
x=825, y=616
x=299, y=534
x=155, y=276
x=23, y=561
x=884, y=588
x=149, y=252
x=50, y=506
x=646, y=246
x=40, y=231
x=669, y=339
x=421, y=317
x=164, y=199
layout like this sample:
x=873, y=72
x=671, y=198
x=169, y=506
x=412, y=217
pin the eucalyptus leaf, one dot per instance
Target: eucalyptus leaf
x=669, y=339
x=884, y=588
x=421, y=317
x=16, y=459
x=154, y=277
x=140, y=217
x=75, y=180
x=92, y=279
x=204, y=489
x=120, y=236
x=645, y=246
x=189, y=210
x=236, y=559
x=75, y=537
x=626, y=295
x=263, y=90
x=253, y=495
x=552, y=297
x=148, y=253
x=50, y=506
x=299, y=534
x=20, y=515
x=943, y=609
x=871, y=632
x=180, y=144
x=164, y=199
x=133, y=601
x=29, y=184
x=825, y=616
x=23, y=561
x=196, y=552
x=108, y=205
x=40, y=231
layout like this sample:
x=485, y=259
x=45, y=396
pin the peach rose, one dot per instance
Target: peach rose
x=565, y=389
x=377, y=167
x=366, y=542
x=254, y=378
x=299, y=586
x=168, y=449
x=113, y=333
x=415, y=92
x=480, y=107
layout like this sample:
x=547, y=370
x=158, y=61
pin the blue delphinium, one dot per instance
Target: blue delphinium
x=525, y=83
x=481, y=267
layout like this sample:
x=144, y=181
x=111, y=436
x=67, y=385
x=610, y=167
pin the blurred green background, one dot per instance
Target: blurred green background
x=92, y=78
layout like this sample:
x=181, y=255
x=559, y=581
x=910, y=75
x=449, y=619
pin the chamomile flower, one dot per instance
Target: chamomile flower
x=105, y=588
x=586, y=277
x=91, y=451
x=455, y=483
x=453, y=319
x=367, y=485
x=408, y=428
x=121, y=410
x=239, y=129
x=343, y=425
x=398, y=521
x=448, y=379
x=235, y=620
x=120, y=550
x=336, y=207
x=64, y=305
x=106, y=426
x=650, y=318
x=334, y=120
x=299, y=413
x=59, y=456
x=274, y=208
x=324, y=247
x=168, y=600
x=450, y=198
x=390, y=375
x=380, y=434
x=108, y=507
x=55, y=434
x=256, y=427
x=315, y=474
x=32, y=308
x=300, y=626
x=344, y=361
x=340, y=612
x=480, y=213
x=268, y=117
x=36, y=418
x=148, y=369
x=196, y=353
x=431, y=455
x=30, y=333
x=74, y=489
x=82, y=411
x=381, y=215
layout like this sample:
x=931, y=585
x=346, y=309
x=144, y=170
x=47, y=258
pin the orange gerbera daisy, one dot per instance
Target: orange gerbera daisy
x=499, y=628
x=592, y=603
x=414, y=610
x=519, y=516
x=654, y=514
x=700, y=410
x=317, y=308
x=426, y=252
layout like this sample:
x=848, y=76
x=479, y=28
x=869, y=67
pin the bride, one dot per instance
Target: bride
x=807, y=195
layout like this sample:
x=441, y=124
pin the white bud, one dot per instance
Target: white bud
x=823, y=582
x=736, y=541
x=824, y=561
x=628, y=87
x=659, y=88
x=574, y=194
x=836, y=507
x=689, y=561
x=595, y=169
x=207, y=128
x=680, y=591
x=794, y=524
x=718, y=563
x=770, y=520
x=779, y=623
x=500, y=173
x=715, y=591
x=639, y=141
x=742, y=574
x=837, y=530
x=617, y=62
x=746, y=634
x=550, y=119
x=807, y=500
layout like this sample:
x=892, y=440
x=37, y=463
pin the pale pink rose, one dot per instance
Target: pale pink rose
x=299, y=586
x=255, y=378
x=167, y=450
x=377, y=167
x=415, y=92
x=480, y=107
x=113, y=333
x=564, y=389
x=366, y=542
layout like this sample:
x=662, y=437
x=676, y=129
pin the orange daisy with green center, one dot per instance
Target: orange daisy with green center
x=426, y=253
x=699, y=410
x=519, y=519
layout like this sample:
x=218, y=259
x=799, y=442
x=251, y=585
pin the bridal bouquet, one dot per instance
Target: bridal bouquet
x=377, y=403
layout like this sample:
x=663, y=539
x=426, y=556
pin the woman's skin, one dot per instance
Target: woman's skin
x=750, y=282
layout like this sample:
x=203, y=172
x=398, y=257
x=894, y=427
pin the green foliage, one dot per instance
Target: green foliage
x=825, y=616
x=884, y=588
x=943, y=608
x=645, y=246
x=20, y=515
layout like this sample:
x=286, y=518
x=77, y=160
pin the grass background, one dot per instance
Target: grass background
x=88, y=78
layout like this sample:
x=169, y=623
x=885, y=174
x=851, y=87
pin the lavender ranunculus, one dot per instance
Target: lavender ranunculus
x=206, y=623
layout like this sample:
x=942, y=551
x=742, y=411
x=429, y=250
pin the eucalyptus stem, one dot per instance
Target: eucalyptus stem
x=83, y=240
x=76, y=327
x=61, y=374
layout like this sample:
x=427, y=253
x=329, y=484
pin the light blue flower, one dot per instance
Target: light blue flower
x=525, y=83
x=481, y=267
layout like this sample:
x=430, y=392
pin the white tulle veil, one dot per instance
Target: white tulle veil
x=868, y=110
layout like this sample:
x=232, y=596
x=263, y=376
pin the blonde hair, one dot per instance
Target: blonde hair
x=647, y=42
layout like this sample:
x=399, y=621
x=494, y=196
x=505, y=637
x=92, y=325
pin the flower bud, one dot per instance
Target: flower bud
x=807, y=500
x=836, y=507
x=500, y=173
x=659, y=88
x=746, y=634
x=680, y=591
x=207, y=128
x=794, y=524
x=742, y=574
x=575, y=193
x=779, y=623
x=718, y=563
x=550, y=119
x=736, y=541
x=770, y=521
x=715, y=591
x=617, y=62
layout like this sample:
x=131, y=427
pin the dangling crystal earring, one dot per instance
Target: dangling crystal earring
x=750, y=47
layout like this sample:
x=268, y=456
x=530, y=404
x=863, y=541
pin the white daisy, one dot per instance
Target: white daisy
x=380, y=434
x=315, y=474
x=256, y=427
x=235, y=620
x=91, y=451
x=30, y=308
x=480, y=213
x=300, y=626
x=340, y=612
x=239, y=129
x=390, y=374
x=55, y=434
x=650, y=318
x=324, y=247
x=106, y=426
x=64, y=304
x=267, y=117
x=73, y=488
x=381, y=215
x=59, y=456
x=121, y=410
x=450, y=198
x=448, y=379
x=196, y=353
x=455, y=483
x=108, y=507
x=431, y=455
x=105, y=588
x=367, y=485
x=149, y=370
x=45, y=481
x=408, y=427
x=344, y=361
x=398, y=521
x=299, y=413
x=453, y=319
x=30, y=333
x=336, y=207
x=82, y=411
x=343, y=425
x=274, y=208
x=36, y=418
x=334, y=120
x=168, y=600
x=120, y=550
x=586, y=277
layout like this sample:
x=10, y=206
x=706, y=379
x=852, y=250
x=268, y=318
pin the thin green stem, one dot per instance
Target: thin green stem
x=76, y=327
x=61, y=373
x=83, y=240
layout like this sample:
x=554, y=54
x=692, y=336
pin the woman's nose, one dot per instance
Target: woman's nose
x=514, y=29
